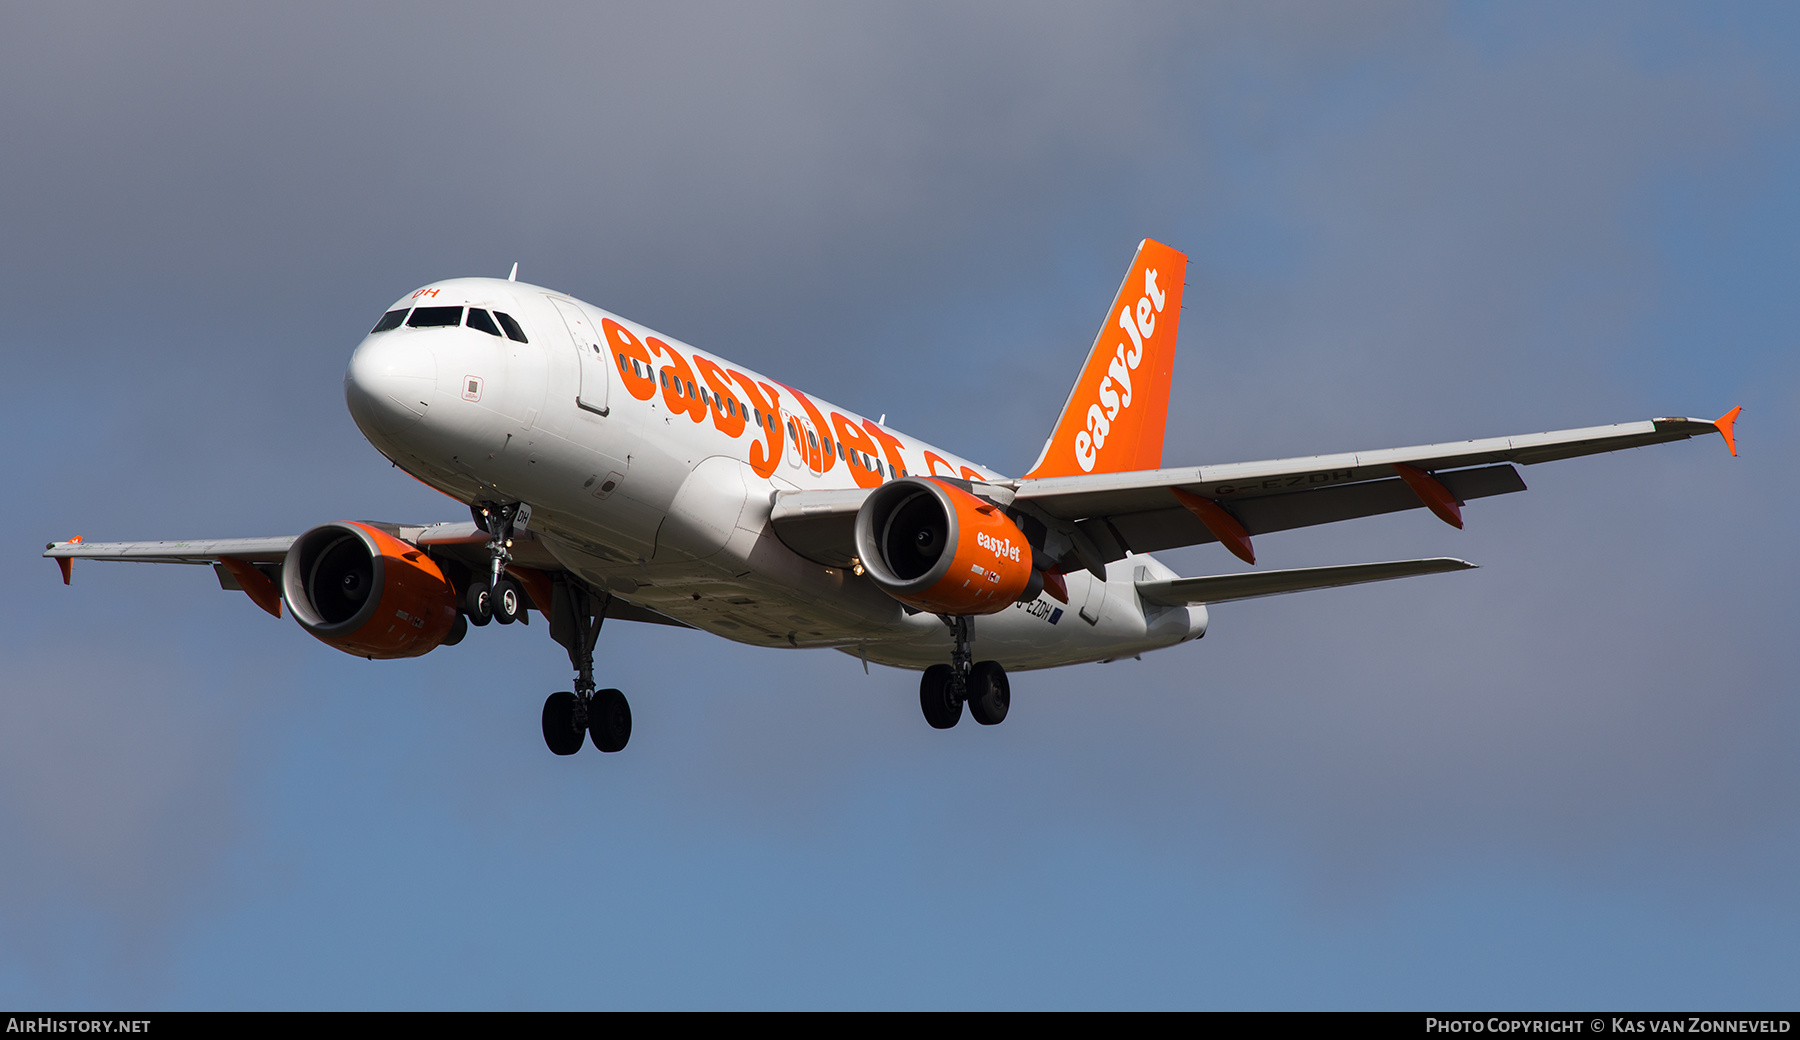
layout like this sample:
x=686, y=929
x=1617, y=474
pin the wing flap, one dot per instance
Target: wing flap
x=1221, y=588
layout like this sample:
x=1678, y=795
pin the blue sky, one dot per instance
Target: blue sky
x=1563, y=780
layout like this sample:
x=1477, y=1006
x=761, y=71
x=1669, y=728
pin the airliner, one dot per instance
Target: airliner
x=615, y=473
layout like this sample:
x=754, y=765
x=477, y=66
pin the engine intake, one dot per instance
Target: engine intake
x=933, y=546
x=365, y=592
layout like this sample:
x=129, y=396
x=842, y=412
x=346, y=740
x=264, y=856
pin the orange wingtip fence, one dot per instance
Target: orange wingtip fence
x=1725, y=423
x=65, y=563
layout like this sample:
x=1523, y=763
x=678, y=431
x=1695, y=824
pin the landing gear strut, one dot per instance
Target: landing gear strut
x=576, y=614
x=498, y=597
x=944, y=687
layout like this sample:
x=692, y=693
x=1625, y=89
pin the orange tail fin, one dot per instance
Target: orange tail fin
x=1114, y=419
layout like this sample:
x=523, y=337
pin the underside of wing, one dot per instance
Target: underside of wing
x=1221, y=588
x=819, y=525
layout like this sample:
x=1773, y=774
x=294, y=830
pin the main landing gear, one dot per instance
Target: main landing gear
x=570, y=718
x=944, y=688
x=604, y=715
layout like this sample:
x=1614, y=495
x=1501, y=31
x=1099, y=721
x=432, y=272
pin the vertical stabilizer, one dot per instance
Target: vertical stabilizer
x=1114, y=419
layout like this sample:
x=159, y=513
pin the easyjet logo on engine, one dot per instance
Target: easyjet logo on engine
x=1001, y=547
x=1139, y=324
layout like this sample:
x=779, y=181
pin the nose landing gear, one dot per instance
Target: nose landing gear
x=498, y=598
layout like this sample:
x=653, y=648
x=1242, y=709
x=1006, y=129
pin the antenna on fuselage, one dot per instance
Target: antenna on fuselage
x=515, y=272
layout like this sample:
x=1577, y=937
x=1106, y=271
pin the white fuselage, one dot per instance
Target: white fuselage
x=665, y=502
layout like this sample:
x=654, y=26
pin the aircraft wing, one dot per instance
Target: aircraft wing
x=1220, y=588
x=254, y=550
x=1163, y=509
x=1104, y=515
x=460, y=541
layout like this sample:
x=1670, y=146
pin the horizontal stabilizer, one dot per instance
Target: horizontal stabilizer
x=1219, y=588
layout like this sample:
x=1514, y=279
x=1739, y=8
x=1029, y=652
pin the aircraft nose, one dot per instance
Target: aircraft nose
x=390, y=381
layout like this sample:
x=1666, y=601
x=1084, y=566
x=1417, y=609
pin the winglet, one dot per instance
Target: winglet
x=66, y=563
x=1725, y=423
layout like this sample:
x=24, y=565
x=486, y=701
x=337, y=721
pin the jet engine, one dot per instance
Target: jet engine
x=935, y=547
x=367, y=593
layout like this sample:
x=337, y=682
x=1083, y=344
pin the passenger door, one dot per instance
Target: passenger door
x=590, y=347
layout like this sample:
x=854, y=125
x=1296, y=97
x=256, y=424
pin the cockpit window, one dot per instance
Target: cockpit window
x=434, y=317
x=513, y=331
x=478, y=319
x=390, y=320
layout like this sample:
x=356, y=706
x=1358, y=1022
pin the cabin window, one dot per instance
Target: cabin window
x=435, y=317
x=478, y=319
x=390, y=320
x=690, y=389
x=513, y=331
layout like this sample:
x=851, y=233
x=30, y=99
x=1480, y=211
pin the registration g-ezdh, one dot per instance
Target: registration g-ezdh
x=612, y=472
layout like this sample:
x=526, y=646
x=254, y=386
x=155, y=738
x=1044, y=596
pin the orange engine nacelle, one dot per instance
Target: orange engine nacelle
x=933, y=546
x=366, y=592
